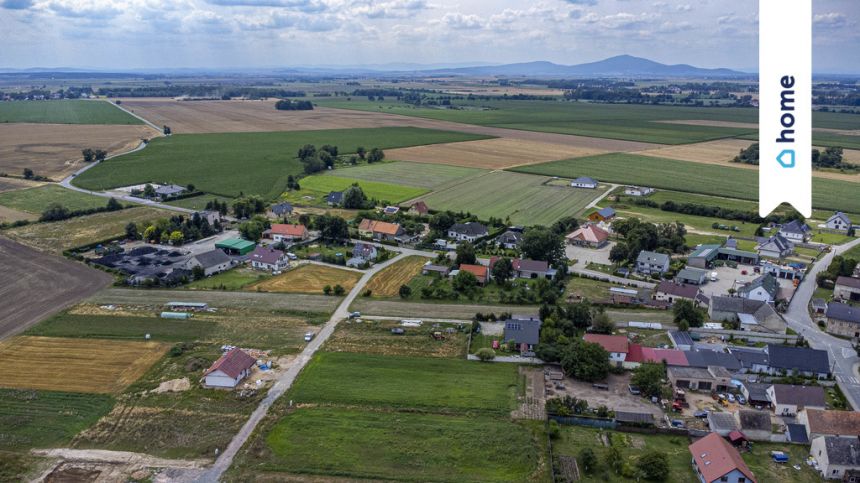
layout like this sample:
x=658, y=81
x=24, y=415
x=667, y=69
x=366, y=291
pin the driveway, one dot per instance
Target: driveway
x=589, y=255
x=617, y=398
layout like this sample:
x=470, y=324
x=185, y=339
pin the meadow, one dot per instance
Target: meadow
x=314, y=190
x=677, y=175
x=526, y=199
x=235, y=279
x=36, y=200
x=309, y=278
x=375, y=337
x=66, y=111
x=252, y=163
x=418, y=175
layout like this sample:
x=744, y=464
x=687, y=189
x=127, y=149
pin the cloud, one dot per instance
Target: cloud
x=16, y=4
x=300, y=5
x=832, y=20
x=458, y=21
x=582, y=2
x=93, y=9
x=391, y=9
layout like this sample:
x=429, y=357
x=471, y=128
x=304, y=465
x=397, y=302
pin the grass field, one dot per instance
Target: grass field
x=36, y=200
x=418, y=175
x=254, y=163
x=387, y=282
x=677, y=175
x=126, y=327
x=699, y=223
x=65, y=112
x=853, y=253
x=199, y=202
x=407, y=382
x=308, y=278
x=316, y=188
x=375, y=337
x=44, y=419
x=234, y=279
x=526, y=199
x=75, y=365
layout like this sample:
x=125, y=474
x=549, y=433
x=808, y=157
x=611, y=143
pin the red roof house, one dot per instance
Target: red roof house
x=479, y=271
x=638, y=354
x=419, y=208
x=229, y=369
x=616, y=345
x=286, y=232
x=589, y=235
x=714, y=459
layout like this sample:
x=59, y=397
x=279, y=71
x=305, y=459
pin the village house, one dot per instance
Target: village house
x=652, y=262
x=795, y=231
x=469, y=232
x=764, y=289
x=616, y=345
x=212, y=262
x=169, y=191
x=756, y=394
x=480, y=272
x=755, y=424
x=362, y=253
x=843, y=320
x=602, y=215
x=210, y=216
x=797, y=360
x=229, y=370
x=839, y=222
x=776, y=246
x=751, y=315
x=267, y=258
x=716, y=461
x=280, y=210
x=819, y=422
x=532, y=269
x=282, y=232
x=788, y=399
x=379, y=230
x=838, y=458
x=334, y=198
x=584, y=182
x=419, y=208
x=638, y=191
x=692, y=276
x=588, y=235
x=671, y=292
x=704, y=359
x=847, y=288
x=524, y=331
x=509, y=240
x=638, y=355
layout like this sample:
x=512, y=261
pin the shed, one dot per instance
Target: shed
x=236, y=246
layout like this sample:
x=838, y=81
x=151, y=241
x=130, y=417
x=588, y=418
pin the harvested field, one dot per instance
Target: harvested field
x=309, y=278
x=387, y=282
x=57, y=236
x=54, y=150
x=496, y=153
x=375, y=337
x=34, y=285
x=155, y=299
x=75, y=365
x=9, y=215
x=12, y=184
x=390, y=308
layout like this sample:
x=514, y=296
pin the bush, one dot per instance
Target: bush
x=653, y=465
x=587, y=460
x=486, y=354
x=405, y=291
x=554, y=429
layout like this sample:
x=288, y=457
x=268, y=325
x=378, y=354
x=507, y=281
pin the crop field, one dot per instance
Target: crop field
x=75, y=365
x=12, y=184
x=199, y=202
x=498, y=153
x=418, y=175
x=314, y=189
x=36, y=200
x=67, y=111
x=526, y=199
x=120, y=327
x=309, y=278
x=57, y=236
x=44, y=419
x=677, y=175
x=822, y=137
x=9, y=215
x=375, y=337
x=387, y=282
x=254, y=163
x=54, y=150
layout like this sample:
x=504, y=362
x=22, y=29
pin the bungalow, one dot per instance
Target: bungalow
x=752, y=315
x=589, y=235
x=692, y=276
x=524, y=331
x=755, y=424
x=671, y=292
x=365, y=251
x=847, y=288
x=584, y=182
x=509, y=240
x=334, y=198
x=638, y=190
x=638, y=355
x=286, y=233
x=169, y=191
x=843, y=320
x=795, y=231
x=839, y=222
x=712, y=378
x=818, y=422
x=480, y=272
x=418, y=209
x=797, y=360
x=379, y=230
x=776, y=246
x=212, y=262
x=764, y=288
x=788, y=399
x=652, y=262
x=532, y=269
x=280, y=210
x=267, y=258
x=469, y=232
x=616, y=345
x=838, y=458
x=716, y=461
x=229, y=370
x=603, y=214
x=429, y=268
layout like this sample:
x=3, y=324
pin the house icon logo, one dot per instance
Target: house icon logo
x=786, y=158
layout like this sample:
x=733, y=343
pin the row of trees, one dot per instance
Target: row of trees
x=839, y=267
x=315, y=160
x=639, y=235
x=830, y=158
x=175, y=230
x=291, y=105
x=91, y=154
x=57, y=212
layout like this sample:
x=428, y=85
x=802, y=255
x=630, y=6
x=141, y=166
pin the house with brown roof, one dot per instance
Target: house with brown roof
x=788, y=399
x=616, y=345
x=716, y=461
x=671, y=292
x=588, y=235
x=379, y=230
x=418, y=209
x=229, y=370
x=268, y=258
x=819, y=422
x=480, y=272
x=843, y=319
x=847, y=288
x=287, y=233
x=754, y=424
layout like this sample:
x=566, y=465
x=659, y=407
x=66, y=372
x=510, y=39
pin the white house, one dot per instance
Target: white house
x=212, y=262
x=229, y=370
x=764, y=289
x=777, y=246
x=616, y=345
x=652, y=262
x=838, y=458
x=638, y=190
x=267, y=258
x=584, y=182
x=795, y=231
x=469, y=232
x=788, y=399
x=839, y=222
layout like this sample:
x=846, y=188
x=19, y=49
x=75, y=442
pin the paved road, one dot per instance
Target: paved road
x=601, y=197
x=843, y=358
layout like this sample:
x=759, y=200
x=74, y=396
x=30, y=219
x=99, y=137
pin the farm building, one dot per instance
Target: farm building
x=798, y=360
x=283, y=232
x=280, y=210
x=469, y=232
x=391, y=210
x=776, y=246
x=704, y=255
x=148, y=264
x=212, y=262
x=843, y=319
x=847, y=288
x=652, y=262
x=756, y=393
x=584, y=182
x=638, y=190
x=509, y=240
x=712, y=378
x=616, y=345
x=196, y=306
x=838, y=458
x=839, y=222
x=236, y=246
x=419, y=209
x=819, y=422
x=379, y=230
x=705, y=359
x=692, y=276
x=788, y=399
x=169, y=191
x=267, y=258
x=630, y=418
x=430, y=268
x=524, y=331
x=229, y=370
x=671, y=292
x=715, y=460
x=589, y=235
x=638, y=355
x=722, y=423
x=795, y=231
x=764, y=289
x=755, y=424
x=602, y=215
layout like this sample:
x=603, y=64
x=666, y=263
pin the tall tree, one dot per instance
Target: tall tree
x=541, y=243
x=465, y=254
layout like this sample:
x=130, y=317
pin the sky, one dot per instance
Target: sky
x=152, y=34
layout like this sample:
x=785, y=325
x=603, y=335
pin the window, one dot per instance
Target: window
x=725, y=478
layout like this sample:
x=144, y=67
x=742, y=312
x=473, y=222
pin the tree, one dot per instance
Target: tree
x=113, y=205
x=54, y=212
x=654, y=465
x=440, y=222
x=361, y=152
x=375, y=155
x=587, y=460
x=585, y=361
x=354, y=197
x=148, y=191
x=405, y=291
x=327, y=290
x=131, y=231
x=649, y=378
x=541, y=243
x=485, y=354
x=339, y=290
x=332, y=228
x=331, y=150
x=166, y=130
x=602, y=324
x=253, y=229
x=176, y=238
x=149, y=233
x=307, y=151
x=191, y=188
x=464, y=281
x=683, y=326
x=614, y=459
x=28, y=173
x=503, y=270
x=100, y=154
x=88, y=154
x=687, y=310
x=198, y=272
x=465, y=254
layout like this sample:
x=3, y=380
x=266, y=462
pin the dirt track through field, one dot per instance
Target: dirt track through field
x=54, y=150
x=34, y=285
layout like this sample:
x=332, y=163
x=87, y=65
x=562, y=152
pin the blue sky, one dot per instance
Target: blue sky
x=116, y=34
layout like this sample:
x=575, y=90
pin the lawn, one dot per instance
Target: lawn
x=67, y=324
x=526, y=199
x=407, y=382
x=594, y=290
x=830, y=238
x=253, y=163
x=763, y=467
x=65, y=112
x=36, y=200
x=418, y=175
x=699, y=223
x=309, y=278
x=853, y=253
x=387, y=282
x=199, y=202
x=234, y=279
x=690, y=177
x=314, y=189
x=375, y=337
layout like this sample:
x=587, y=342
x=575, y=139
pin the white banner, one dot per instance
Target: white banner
x=785, y=105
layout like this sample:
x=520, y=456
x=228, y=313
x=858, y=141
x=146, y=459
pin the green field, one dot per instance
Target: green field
x=853, y=253
x=418, y=175
x=406, y=382
x=314, y=189
x=253, y=163
x=406, y=446
x=234, y=279
x=820, y=138
x=699, y=223
x=65, y=112
x=526, y=199
x=677, y=175
x=36, y=200
x=109, y=327
x=199, y=202
x=45, y=419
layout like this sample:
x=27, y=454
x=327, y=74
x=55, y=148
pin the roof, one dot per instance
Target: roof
x=510, y=237
x=377, y=226
x=637, y=353
x=585, y=180
x=652, y=257
x=749, y=357
x=798, y=395
x=715, y=457
x=523, y=329
x=840, y=216
x=689, y=372
x=799, y=358
x=844, y=423
x=234, y=244
x=691, y=274
x=334, y=197
x=757, y=391
x=281, y=208
x=842, y=451
x=232, y=363
x=390, y=210
x=212, y=258
x=472, y=228
x=287, y=230
x=629, y=417
x=722, y=421
x=530, y=265
x=607, y=212
x=679, y=337
x=735, y=436
x=589, y=233
x=266, y=255
x=678, y=289
x=170, y=189
x=736, y=305
x=363, y=249
x=706, y=358
x=844, y=312
x=612, y=343
x=794, y=226
x=848, y=282
x=705, y=251
x=767, y=282
x=751, y=419
x=797, y=433
x=420, y=207
x=479, y=271
x=776, y=243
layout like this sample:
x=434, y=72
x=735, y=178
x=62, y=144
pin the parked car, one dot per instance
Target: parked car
x=309, y=336
x=731, y=398
x=741, y=399
x=677, y=423
x=634, y=390
x=354, y=315
x=292, y=256
x=700, y=414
